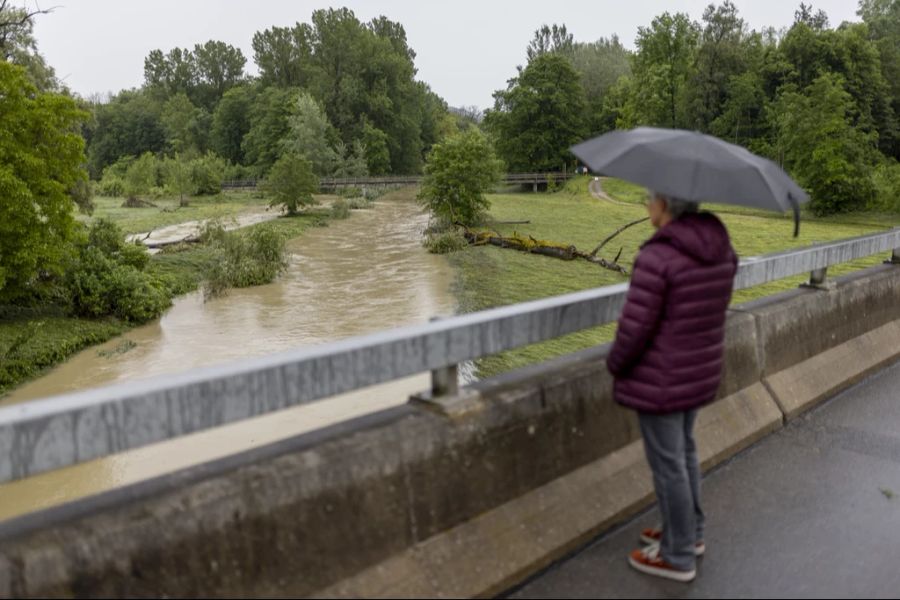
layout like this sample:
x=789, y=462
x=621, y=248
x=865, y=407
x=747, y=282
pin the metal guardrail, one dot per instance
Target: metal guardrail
x=47, y=434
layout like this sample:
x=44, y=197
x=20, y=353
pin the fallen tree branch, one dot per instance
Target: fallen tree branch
x=534, y=246
x=617, y=232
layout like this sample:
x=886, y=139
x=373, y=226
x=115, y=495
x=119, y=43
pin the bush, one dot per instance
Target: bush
x=340, y=209
x=349, y=192
x=106, y=277
x=111, y=186
x=207, y=174
x=245, y=260
x=445, y=243
x=359, y=203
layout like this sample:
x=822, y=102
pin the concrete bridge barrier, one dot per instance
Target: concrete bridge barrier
x=461, y=496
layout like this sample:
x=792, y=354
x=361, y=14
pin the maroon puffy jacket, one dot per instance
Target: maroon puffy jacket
x=670, y=342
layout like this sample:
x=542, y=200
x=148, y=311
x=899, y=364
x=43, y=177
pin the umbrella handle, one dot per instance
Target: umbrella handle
x=796, y=206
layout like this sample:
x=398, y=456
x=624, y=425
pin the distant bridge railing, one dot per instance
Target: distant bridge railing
x=331, y=183
x=56, y=432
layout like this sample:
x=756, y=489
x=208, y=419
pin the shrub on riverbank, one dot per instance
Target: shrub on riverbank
x=244, y=260
x=340, y=209
x=106, y=277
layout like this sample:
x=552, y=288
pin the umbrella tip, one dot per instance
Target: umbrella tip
x=796, y=206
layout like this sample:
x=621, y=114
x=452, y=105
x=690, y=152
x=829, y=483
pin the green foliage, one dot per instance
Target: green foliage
x=378, y=157
x=207, y=173
x=359, y=203
x=254, y=258
x=269, y=122
x=128, y=125
x=291, y=183
x=886, y=179
x=41, y=158
x=827, y=155
x=203, y=75
x=663, y=65
x=340, y=209
x=143, y=176
x=106, y=276
x=231, y=122
x=458, y=173
x=445, y=242
x=349, y=192
x=186, y=126
x=350, y=162
x=540, y=116
x=177, y=175
x=309, y=135
x=551, y=40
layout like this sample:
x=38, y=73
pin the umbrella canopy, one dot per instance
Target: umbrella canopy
x=693, y=166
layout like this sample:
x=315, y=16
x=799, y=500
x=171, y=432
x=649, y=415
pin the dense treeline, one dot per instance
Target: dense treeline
x=339, y=92
x=823, y=101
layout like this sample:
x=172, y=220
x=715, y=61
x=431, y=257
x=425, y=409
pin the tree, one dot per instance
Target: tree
x=186, y=126
x=600, y=64
x=179, y=178
x=811, y=52
x=458, y=172
x=378, y=157
x=283, y=55
x=721, y=55
x=291, y=183
x=663, y=65
x=555, y=39
x=830, y=158
x=268, y=124
x=142, y=176
x=129, y=125
x=41, y=160
x=18, y=45
x=883, y=20
x=171, y=73
x=310, y=134
x=231, y=122
x=536, y=121
x=220, y=67
x=203, y=74
x=351, y=162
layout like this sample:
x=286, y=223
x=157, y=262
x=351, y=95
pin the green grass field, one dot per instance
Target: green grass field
x=489, y=276
x=167, y=211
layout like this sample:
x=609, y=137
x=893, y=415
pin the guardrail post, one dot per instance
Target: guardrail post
x=444, y=381
x=818, y=280
x=895, y=258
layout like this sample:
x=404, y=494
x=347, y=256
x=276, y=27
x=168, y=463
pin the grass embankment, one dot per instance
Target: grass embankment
x=489, y=276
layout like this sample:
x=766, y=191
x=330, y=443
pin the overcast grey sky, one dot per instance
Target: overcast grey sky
x=466, y=48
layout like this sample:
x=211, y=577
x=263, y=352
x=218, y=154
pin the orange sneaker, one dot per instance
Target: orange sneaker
x=648, y=560
x=654, y=536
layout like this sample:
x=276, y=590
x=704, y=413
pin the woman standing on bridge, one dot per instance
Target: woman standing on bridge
x=667, y=363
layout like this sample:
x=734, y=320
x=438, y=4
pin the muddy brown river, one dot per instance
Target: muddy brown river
x=359, y=275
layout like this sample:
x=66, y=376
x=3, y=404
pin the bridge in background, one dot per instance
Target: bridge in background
x=329, y=184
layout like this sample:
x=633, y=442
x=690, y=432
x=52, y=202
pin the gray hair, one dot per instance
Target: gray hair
x=678, y=207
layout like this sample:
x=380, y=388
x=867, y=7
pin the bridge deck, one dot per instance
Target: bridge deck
x=811, y=511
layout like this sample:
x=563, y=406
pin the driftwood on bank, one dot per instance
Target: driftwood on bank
x=192, y=239
x=542, y=247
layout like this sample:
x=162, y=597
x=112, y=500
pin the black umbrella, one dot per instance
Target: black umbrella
x=693, y=166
